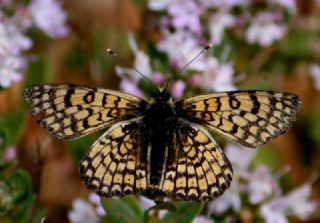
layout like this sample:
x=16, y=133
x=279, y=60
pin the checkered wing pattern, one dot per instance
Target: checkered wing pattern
x=72, y=111
x=200, y=170
x=250, y=118
x=112, y=166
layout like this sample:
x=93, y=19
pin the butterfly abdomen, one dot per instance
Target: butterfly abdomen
x=158, y=125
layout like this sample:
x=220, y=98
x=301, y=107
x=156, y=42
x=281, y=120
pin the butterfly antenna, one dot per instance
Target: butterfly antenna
x=167, y=84
x=207, y=47
x=112, y=53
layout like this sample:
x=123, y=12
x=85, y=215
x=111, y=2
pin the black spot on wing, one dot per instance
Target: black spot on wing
x=256, y=105
x=67, y=97
x=89, y=97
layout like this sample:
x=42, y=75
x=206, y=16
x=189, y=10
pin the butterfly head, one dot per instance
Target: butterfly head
x=161, y=95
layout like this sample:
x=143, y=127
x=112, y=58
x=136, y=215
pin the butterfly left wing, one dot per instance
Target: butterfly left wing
x=71, y=111
x=199, y=170
x=250, y=118
x=113, y=165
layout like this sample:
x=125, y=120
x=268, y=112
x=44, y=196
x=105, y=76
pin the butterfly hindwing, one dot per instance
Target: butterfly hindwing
x=250, y=118
x=200, y=170
x=112, y=166
x=72, y=111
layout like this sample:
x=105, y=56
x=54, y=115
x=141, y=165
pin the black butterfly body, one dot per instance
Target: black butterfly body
x=160, y=144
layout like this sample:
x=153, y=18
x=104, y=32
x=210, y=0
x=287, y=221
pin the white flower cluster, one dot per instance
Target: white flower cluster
x=262, y=27
x=192, y=21
x=263, y=190
x=84, y=211
x=46, y=15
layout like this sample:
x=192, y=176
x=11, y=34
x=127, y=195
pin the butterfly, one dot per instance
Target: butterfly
x=160, y=144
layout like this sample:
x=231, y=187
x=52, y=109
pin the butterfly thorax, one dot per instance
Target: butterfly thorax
x=158, y=126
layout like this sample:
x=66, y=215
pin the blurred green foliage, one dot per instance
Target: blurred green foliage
x=128, y=210
x=17, y=198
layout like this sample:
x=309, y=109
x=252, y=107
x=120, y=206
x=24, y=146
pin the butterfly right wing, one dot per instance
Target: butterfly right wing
x=113, y=165
x=249, y=118
x=72, y=111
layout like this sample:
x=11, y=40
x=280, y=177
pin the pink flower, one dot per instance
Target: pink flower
x=240, y=156
x=164, y=22
x=298, y=202
x=229, y=200
x=12, y=43
x=218, y=23
x=145, y=203
x=202, y=219
x=218, y=77
x=4, y=41
x=129, y=87
x=181, y=48
x=82, y=212
x=274, y=211
x=186, y=15
x=9, y=70
x=260, y=185
x=95, y=199
x=264, y=31
x=158, y=78
x=49, y=16
x=17, y=40
x=195, y=80
x=177, y=89
x=141, y=62
x=158, y=5
x=5, y=2
x=315, y=74
x=10, y=154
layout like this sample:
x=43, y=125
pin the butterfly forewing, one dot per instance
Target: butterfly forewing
x=250, y=118
x=112, y=166
x=72, y=111
x=200, y=170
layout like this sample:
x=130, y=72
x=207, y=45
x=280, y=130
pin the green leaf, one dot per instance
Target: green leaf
x=20, y=185
x=17, y=197
x=186, y=212
x=314, y=125
x=80, y=146
x=23, y=208
x=133, y=203
x=140, y=2
x=11, y=126
x=5, y=137
x=266, y=156
x=37, y=71
x=121, y=210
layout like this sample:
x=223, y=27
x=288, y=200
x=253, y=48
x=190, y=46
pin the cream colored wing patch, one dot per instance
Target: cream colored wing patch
x=200, y=170
x=72, y=111
x=250, y=118
x=112, y=166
